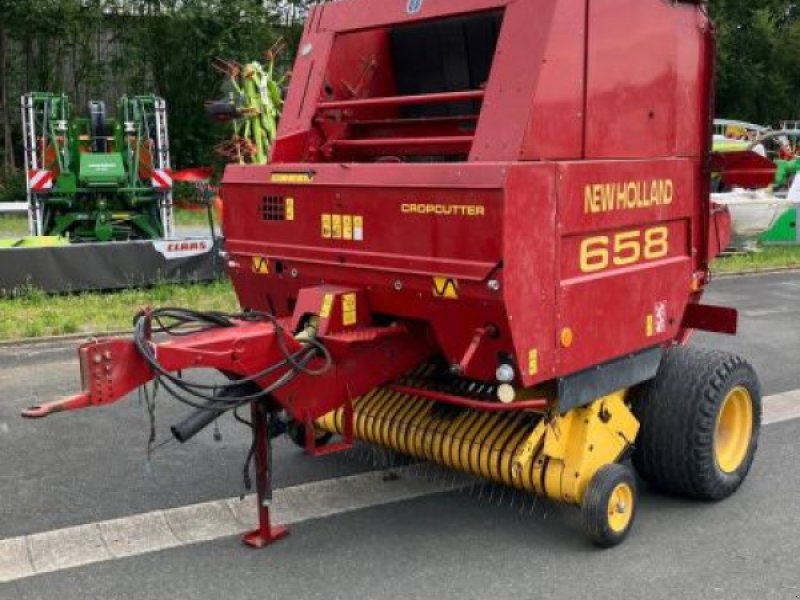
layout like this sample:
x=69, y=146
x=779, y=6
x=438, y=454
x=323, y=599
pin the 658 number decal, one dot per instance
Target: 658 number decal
x=622, y=249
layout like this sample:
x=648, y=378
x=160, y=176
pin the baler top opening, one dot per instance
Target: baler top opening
x=408, y=92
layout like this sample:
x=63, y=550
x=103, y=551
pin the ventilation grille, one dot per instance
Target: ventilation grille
x=273, y=208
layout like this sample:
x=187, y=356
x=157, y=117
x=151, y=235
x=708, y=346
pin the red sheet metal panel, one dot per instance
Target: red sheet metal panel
x=632, y=105
x=694, y=61
x=531, y=252
x=308, y=75
x=422, y=227
x=404, y=218
x=515, y=77
x=555, y=126
x=353, y=16
x=627, y=256
x=575, y=230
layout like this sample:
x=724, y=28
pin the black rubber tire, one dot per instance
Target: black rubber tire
x=678, y=412
x=297, y=433
x=595, y=504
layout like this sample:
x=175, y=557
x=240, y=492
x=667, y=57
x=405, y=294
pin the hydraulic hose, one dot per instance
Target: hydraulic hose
x=211, y=401
x=196, y=422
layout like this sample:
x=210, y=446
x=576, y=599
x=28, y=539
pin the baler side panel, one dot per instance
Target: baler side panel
x=308, y=74
x=353, y=16
x=522, y=49
x=627, y=257
x=631, y=83
x=452, y=222
x=530, y=267
x=346, y=54
x=431, y=237
x=555, y=128
x=693, y=125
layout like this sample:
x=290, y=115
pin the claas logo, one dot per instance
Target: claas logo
x=187, y=246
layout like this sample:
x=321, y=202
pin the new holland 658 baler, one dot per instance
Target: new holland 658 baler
x=482, y=241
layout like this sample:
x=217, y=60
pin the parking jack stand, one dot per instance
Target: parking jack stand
x=266, y=532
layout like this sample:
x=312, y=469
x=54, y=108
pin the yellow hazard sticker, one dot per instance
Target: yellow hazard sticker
x=326, y=226
x=289, y=212
x=533, y=361
x=291, y=178
x=260, y=265
x=343, y=227
x=327, y=305
x=445, y=287
x=349, y=312
x=347, y=227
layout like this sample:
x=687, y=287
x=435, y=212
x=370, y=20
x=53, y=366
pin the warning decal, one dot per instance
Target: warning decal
x=533, y=361
x=260, y=265
x=657, y=321
x=342, y=227
x=349, y=314
x=327, y=305
x=444, y=287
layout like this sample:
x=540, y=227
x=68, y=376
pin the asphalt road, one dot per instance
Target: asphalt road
x=88, y=466
x=769, y=326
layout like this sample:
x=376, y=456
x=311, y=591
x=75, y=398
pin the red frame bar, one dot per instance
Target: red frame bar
x=381, y=142
x=538, y=404
x=411, y=122
x=419, y=99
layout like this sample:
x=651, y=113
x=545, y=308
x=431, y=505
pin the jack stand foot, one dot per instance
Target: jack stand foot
x=266, y=533
x=259, y=539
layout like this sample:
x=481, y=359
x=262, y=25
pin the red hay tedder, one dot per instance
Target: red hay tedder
x=482, y=242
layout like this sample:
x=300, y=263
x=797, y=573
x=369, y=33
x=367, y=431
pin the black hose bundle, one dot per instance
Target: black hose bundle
x=210, y=401
x=214, y=399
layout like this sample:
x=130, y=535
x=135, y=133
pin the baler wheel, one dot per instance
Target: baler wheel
x=609, y=505
x=700, y=420
x=297, y=433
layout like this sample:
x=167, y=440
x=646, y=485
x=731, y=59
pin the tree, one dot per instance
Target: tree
x=104, y=48
x=758, y=75
x=101, y=49
x=7, y=151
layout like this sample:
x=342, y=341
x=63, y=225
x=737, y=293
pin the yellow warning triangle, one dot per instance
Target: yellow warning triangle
x=260, y=265
x=444, y=287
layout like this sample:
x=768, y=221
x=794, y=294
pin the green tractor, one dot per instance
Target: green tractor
x=94, y=178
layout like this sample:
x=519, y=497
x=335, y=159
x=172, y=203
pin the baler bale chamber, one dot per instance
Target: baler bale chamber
x=482, y=241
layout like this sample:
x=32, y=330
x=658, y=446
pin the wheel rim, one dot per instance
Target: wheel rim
x=620, y=508
x=734, y=430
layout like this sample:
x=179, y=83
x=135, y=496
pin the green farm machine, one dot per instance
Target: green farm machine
x=99, y=202
x=95, y=178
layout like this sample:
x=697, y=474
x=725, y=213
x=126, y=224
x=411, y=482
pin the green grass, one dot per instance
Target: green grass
x=770, y=257
x=15, y=225
x=35, y=314
x=192, y=218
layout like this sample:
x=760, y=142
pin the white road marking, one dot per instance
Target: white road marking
x=781, y=407
x=29, y=555
x=769, y=312
x=82, y=545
